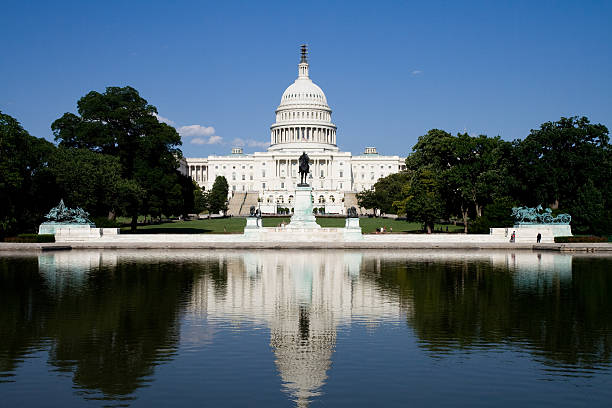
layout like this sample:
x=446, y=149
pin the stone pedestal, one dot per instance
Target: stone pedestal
x=52, y=227
x=352, y=230
x=303, y=217
x=253, y=223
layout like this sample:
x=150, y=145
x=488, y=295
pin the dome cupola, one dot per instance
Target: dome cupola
x=303, y=118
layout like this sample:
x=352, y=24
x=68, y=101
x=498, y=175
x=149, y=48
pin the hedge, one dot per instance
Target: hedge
x=31, y=238
x=580, y=239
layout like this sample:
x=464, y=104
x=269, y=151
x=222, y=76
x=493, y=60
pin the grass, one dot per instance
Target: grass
x=236, y=225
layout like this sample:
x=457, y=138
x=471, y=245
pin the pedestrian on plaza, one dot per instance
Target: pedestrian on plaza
x=513, y=236
x=539, y=238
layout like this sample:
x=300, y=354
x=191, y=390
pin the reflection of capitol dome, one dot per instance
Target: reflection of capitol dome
x=303, y=356
x=303, y=118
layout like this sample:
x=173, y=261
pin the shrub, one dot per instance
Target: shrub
x=580, y=239
x=31, y=238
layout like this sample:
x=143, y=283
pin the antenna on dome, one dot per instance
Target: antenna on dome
x=304, y=53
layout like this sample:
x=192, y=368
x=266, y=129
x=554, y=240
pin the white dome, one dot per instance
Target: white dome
x=303, y=92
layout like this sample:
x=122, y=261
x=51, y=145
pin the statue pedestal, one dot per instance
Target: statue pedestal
x=52, y=227
x=253, y=223
x=302, y=210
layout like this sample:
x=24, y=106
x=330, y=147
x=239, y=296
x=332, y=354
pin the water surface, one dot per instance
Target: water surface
x=305, y=328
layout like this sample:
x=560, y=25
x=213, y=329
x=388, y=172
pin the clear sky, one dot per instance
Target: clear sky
x=391, y=70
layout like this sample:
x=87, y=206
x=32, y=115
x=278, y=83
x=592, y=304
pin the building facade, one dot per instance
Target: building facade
x=303, y=124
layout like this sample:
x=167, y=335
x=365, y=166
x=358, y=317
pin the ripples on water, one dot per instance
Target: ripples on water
x=305, y=328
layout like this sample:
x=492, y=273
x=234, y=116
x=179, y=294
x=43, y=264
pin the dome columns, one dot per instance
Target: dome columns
x=303, y=134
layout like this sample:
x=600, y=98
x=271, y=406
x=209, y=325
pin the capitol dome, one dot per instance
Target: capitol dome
x=303, y=92
x=303, y=117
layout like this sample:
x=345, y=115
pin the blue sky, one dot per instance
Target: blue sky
x=390, y=70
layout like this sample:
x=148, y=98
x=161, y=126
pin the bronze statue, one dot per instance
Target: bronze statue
x=352, y=213
x=304, y=169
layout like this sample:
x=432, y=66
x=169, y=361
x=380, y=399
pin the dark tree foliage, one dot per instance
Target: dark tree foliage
x=566, y=164
x=421, y=200
x=217, y=198
x=93, y=181
x=120, y=123
x=26, y=188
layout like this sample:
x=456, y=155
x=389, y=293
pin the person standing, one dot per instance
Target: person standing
x=513, y=236
x=539, y=238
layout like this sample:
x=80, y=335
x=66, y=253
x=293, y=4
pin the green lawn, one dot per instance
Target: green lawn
x=236, y=225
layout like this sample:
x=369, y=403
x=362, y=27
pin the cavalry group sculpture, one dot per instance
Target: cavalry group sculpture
x=64, y=215
x=528, y=215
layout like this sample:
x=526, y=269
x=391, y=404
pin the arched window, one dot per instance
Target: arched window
x=280, y=200
x=270, y=199
x=332, y=199
x=321, y=199
x=290, y=199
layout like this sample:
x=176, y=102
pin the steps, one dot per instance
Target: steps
x=350, y=200
x=235, y=203
x=250, y=199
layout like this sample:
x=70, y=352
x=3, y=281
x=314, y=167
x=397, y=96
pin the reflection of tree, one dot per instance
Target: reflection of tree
x=466, y=304
x=22, y=298
x=110, y=329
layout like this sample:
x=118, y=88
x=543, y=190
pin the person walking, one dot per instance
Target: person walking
x=539, y=238
x=513, y=236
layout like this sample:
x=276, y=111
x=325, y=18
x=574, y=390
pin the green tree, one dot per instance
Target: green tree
x=421, y=199
x=217, y=198
x=119, y=122
x=370, y=199
x=26, y=186
x=93, y=181
x=560, y=157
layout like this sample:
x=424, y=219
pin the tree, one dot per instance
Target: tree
x=370, y=199
x=200, y=199
x=560, y=157
x=93, y=181
x=26, y=187
x=217, y=198
x=421, y=199
x=120, y=123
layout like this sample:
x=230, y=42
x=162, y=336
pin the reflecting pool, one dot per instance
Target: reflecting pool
x=305, y=328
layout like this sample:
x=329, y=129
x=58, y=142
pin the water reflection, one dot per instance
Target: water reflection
x=108, y=318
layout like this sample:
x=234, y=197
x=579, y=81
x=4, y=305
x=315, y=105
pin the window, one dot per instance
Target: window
x=233, y=176
x=263, y=173
x=243, y=177
x=263, y=185
x=340, y=186
x=341, y=174
x=290, y=199
x=332, y=199
x=233, y=188
x=223, y=167
x=250, y=177
x=282, y=185
x=322, y=175
x=321, y=199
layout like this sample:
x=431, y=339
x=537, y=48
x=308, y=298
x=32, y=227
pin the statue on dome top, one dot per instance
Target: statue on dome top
x=304, y=169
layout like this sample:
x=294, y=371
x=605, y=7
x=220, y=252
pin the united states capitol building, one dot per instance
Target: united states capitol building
x=268, y=179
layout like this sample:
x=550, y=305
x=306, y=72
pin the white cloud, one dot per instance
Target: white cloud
x=163, y=120
x=215, y=139
x=204, y=141
x=238, y=142
x=197, y=134
x=196, y=130
x=416, y=72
